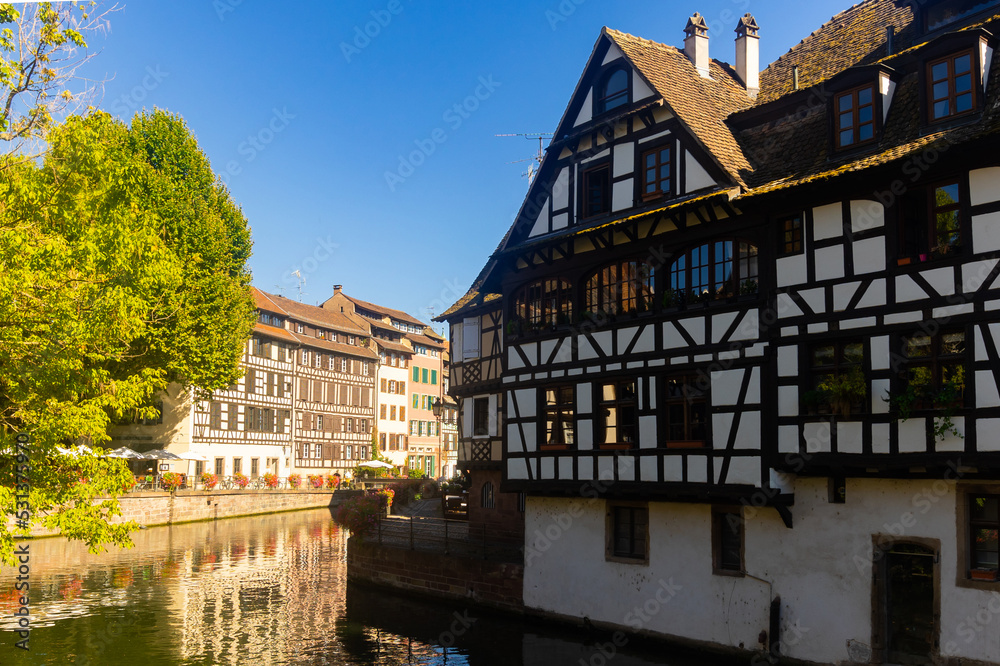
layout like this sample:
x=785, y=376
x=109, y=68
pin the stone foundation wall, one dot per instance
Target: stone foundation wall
x=150, y=509
x=491, y=584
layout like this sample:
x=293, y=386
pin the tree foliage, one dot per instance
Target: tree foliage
x=122, y=270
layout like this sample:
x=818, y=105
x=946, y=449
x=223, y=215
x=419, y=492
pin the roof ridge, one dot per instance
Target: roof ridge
x=820, y=29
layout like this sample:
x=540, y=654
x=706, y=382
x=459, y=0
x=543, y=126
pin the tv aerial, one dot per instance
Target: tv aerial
x=536, y=161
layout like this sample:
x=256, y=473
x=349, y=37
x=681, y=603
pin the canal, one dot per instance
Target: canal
x=264, y=590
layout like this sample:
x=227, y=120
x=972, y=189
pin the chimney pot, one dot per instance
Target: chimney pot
x=748, y=53
x=890, y=34
x=795, y=77
x=337, y=288
x=696, y=43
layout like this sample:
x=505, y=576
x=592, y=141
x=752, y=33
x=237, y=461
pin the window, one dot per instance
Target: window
x=855, y=117
x=542, y=304
x=318, y=422
x=382, y=411
x=612, y=92
x=299, y=328
x=402, y=413
x=317, y=360
x=349, y=452
x=215, y=416
x=304, y=359
x=620, y=288
x=254, y=468
x=790, y=234
x=596, y=192
x=934, y=371
x=559, y=411
x=951, y=86
x=392, y=412
x=727, y=541
x=283, y=416
x=416, y=375
x=237, y=465
x=470, y=338
x=481, y=417
x=306, y=450
x=838, y=379
x=714, y=270
x=232, y=416
x=423, y=373
x=627, y=533
x=220, y=466
x=618, y=415
x=434, y=377
x=686, y=401
x=984, y=523
x=931, y=222
x=486, y=496
x=656, y=173
x=941, y=14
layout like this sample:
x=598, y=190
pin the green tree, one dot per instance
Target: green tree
x=122, y=270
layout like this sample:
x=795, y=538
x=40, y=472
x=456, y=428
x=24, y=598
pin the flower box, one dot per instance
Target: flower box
x=984, y=574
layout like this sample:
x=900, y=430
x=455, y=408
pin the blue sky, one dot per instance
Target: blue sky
x=304, y=115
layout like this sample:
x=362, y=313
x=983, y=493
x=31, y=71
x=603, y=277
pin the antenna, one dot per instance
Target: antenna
x=302, y=282
x=537, y=159
x=279, y=289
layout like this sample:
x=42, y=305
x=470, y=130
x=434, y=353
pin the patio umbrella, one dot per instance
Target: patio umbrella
x=375, y=463
x=159, y=454
x=191, y=455
x=125, y=452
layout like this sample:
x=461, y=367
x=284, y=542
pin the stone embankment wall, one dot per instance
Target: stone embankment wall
x=150, y=509
x=472, y=581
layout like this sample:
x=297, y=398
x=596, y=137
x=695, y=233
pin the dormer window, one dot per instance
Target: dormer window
x=855, y=117
x=941, y=14
x=596, y=191
x=656, y=173
x=951, y=86
x=612, y=92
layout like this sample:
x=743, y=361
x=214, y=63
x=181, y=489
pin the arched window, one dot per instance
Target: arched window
x=714, y=270
x=613, y=91
x=487, y=500
x=621, y=287
x=544, y=303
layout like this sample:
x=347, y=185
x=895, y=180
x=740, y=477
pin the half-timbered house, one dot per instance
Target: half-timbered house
x=740, y=346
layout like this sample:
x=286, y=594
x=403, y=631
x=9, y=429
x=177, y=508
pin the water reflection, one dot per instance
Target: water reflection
x=262, y=590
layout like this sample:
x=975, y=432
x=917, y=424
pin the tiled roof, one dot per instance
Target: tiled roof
x=392, y=346
x=349, y=350
x=701, y=105
x=424, y=340
x=855, y=36
x=262, y=300
x=389, y=312
x=274, y=332
x=312, y=314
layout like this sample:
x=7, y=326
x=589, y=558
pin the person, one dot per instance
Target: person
x=336, y=480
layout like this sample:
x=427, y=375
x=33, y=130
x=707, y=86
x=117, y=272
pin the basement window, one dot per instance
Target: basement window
x=627, y=533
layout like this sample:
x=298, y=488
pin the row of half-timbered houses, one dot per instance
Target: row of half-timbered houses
x=738, y=353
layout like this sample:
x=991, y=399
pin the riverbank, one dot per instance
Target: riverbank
x=188, y=506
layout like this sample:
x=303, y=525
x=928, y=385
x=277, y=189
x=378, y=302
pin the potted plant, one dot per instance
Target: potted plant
x=209, y=480
x=748, y=287
x=845, y=390
x=241, y=480
x=672, y=298
x=294, y=480
x=982, y=573
x=812, y=401
x=271, y=480
x=171, y=481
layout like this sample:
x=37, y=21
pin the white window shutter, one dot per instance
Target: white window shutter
x=470, y=338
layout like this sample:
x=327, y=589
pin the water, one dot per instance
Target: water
x=263, y=590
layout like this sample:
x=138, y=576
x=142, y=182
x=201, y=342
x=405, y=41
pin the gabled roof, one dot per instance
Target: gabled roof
x=274, y=332
x=340, y=348
x=424, y=340
x=388, y=312
x=701, y=105
x=392, y=346
x=856, y=36
x=310, y=314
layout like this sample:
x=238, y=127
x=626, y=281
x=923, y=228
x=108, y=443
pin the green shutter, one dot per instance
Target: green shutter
x=434, y=377
x=416, y=401
x=416, y=374
x=425, y=376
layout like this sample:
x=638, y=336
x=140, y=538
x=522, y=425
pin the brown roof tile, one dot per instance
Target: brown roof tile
x=313, y=315
x=389, y=312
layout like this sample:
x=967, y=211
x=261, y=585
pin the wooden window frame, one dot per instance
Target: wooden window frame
x=558, y=413
x=620, y=405
x=953, y=95
x=586, y=209
x=480, y=418
x=936, y=361
x=838, y=368
x=601, y=95
x=714, y=289
x=608, y=291
x=791, y=239
x=855, y=110
x=721, y=520
x=542, y=304
x=687, y=400
x=634, y=553
x=964, y=523
x=658, y=192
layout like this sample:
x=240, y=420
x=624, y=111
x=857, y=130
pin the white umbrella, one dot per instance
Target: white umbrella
x=191, y=455
x=125, y=452
x=375, y=463
x=160, y=454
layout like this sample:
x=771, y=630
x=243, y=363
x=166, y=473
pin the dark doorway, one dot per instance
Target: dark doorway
x=910, y=605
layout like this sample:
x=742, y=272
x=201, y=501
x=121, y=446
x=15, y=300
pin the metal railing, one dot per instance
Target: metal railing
x=154, y=483
x=451, y=537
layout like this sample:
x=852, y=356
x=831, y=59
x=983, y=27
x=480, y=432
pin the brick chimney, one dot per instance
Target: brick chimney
x=696, y=43
x=748, y=53
x=337, y=288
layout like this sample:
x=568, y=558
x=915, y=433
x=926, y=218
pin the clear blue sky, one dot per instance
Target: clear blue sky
x=305, y=129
